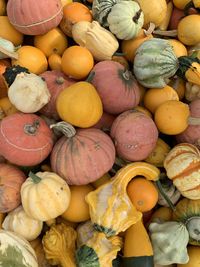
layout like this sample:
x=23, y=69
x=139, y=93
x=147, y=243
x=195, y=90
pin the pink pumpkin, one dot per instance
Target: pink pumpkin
x=83, y=157
x=192, y=133
x=117, y=87
x=34, y=17
x=25, y=139
x=56, y=82
x=105, y=122
x=135, y=135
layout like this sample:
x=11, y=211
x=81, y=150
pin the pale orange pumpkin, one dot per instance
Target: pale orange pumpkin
x=54, y=62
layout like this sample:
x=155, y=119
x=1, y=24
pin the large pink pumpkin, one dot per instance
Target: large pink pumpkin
x=34, y=17
x=56, y=82
x=135, y=135
x=25, y=139
x=192, y=133
x=117, y=87
x=84, y=157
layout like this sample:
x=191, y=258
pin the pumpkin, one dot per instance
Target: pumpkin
x=79, y=104
x=193, y=252
x=11, y=181
x=2, y=7
x=134, y=134
x=7, y=49
x=179, y=85
x=38, y=248
x=171, y=117
x=54, y=41
x=192, y=132
x=4, y=63
x=79, y=30
x=125, y=25
x=176, y=16
x=27, y=20
x=165, y=23
x=28, y=93
x=31, y=58
x=30, y=142
x=56, y=82
x=19, y=222
x=137, y=250
x=12, y=71
x=78, y=210
x=187, y=212
x=73, y=13
x=182, y=165
x=8, y=32
x=6, y=107
x=93, y=154
x=169, y=240
x=178, y=47
x=162, y=214
x=122, y=60
x=16, y=251
x=192, y=91
x=54, y=62
x=180, y=3
x=112, y=80
x=188, y=30
x=46, y=206
x=105, y=122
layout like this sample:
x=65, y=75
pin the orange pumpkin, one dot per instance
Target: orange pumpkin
x=54, y=62
x=4, y=63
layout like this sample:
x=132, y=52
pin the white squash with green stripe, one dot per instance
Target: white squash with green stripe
x=45, y=195
x=15, y=251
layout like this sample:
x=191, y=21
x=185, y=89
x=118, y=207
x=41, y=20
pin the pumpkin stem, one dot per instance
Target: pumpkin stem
x=193, y=121
x=36, y=179
x=119, y=54
x=90, y=77
x=60, y=80
x=64, y=127
x=150, y=29
x=162, y=192
x=171, y=33
x=31, y=129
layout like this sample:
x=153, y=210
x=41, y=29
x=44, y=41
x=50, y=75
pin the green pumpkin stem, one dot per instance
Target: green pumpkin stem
x=64, y=127
x=119, y=54
x=193, y=121
x=90, y=77
x=162, y=192
x=36, y=179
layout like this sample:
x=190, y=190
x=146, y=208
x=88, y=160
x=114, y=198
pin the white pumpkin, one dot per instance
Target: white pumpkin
x=19, y=222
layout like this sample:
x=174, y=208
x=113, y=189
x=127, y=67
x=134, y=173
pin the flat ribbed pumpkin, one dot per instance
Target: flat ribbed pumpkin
x=82, y=156
x=25, y=139
x=34, y=17
x=182, y=164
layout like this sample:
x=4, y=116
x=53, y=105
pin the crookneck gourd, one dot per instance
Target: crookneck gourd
x=155, y=62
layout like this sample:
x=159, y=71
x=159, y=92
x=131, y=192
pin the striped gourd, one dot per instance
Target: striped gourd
x=155, y=62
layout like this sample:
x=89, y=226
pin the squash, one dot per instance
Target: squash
x=134, y=134
x=54, y=62
x=187, y=212
x=192, y=91
x=105, y=122
x=12, y=71
x=7, y=49
x=179, y=85
x=28, y=93
x=111, y=210
x=137, y=250
x=178, y=47
x=161, y=214
x=111, y=79
x=6, y=107
x=182, y=166
x=38, y=248
x=85, y=232
x=11, y=180
x=27, y=20
x=180, y=4
x=16, y=251
x=19, y=222
x=56, y=82
x=31, y=141
x=4, y=63
x=125, y=25
x=46, y=206
x=193, y=252
x=2, y=7
x=94, y=154
x=79, y=104
x=169, y=241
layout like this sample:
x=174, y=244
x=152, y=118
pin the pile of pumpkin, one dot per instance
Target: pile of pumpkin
x=100, y=133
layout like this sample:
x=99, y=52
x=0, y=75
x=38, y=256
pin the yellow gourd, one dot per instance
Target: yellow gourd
x=194, y=258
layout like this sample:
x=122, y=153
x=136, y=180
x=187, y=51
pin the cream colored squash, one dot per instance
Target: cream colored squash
x=19, y=222
x=45, y=195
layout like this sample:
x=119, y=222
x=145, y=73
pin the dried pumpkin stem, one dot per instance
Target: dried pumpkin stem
x=172, y=33
x=90, y=77
x=60, y=80
x=64, y=127
x=36, y=179
x=162, y=192
x=150, y=29
x=193, y=121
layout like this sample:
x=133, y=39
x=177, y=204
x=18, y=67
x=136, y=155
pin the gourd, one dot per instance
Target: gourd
x=11, y=180
x=169, y=241
x=19, y=222
x=111, y=210
x=59, y=245
x=85, y=232
x=27, y=20
x=187, y=212
x=16, y=251
x=7, y=49
x=38, y=248
x=11, y=73
x=93, y=154
x=137, y=250
x=182, y=166
x=46, y=206
x=125, y=25
x=192, y=91
x=111, y=79
x=134, y=134
x=6, y=107
x=28, y=93
x=31, y=141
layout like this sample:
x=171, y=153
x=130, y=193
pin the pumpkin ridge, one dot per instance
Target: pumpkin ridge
x=73, y=162
x=56, y=151
x=187, y=171
x=194, y=188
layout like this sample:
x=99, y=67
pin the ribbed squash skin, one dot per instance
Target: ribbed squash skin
x=84, y=157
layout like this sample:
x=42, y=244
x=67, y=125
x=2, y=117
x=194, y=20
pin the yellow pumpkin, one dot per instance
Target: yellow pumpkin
x=52, y=42
x=78, y=209
x=144, y=110
x=31, y=58
x=179, y=48
x=7, y=31
x=194, y=257
x=171, y=117
x=2, y=7
x=54, y=62
x=80, y=105
x=180, y=4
